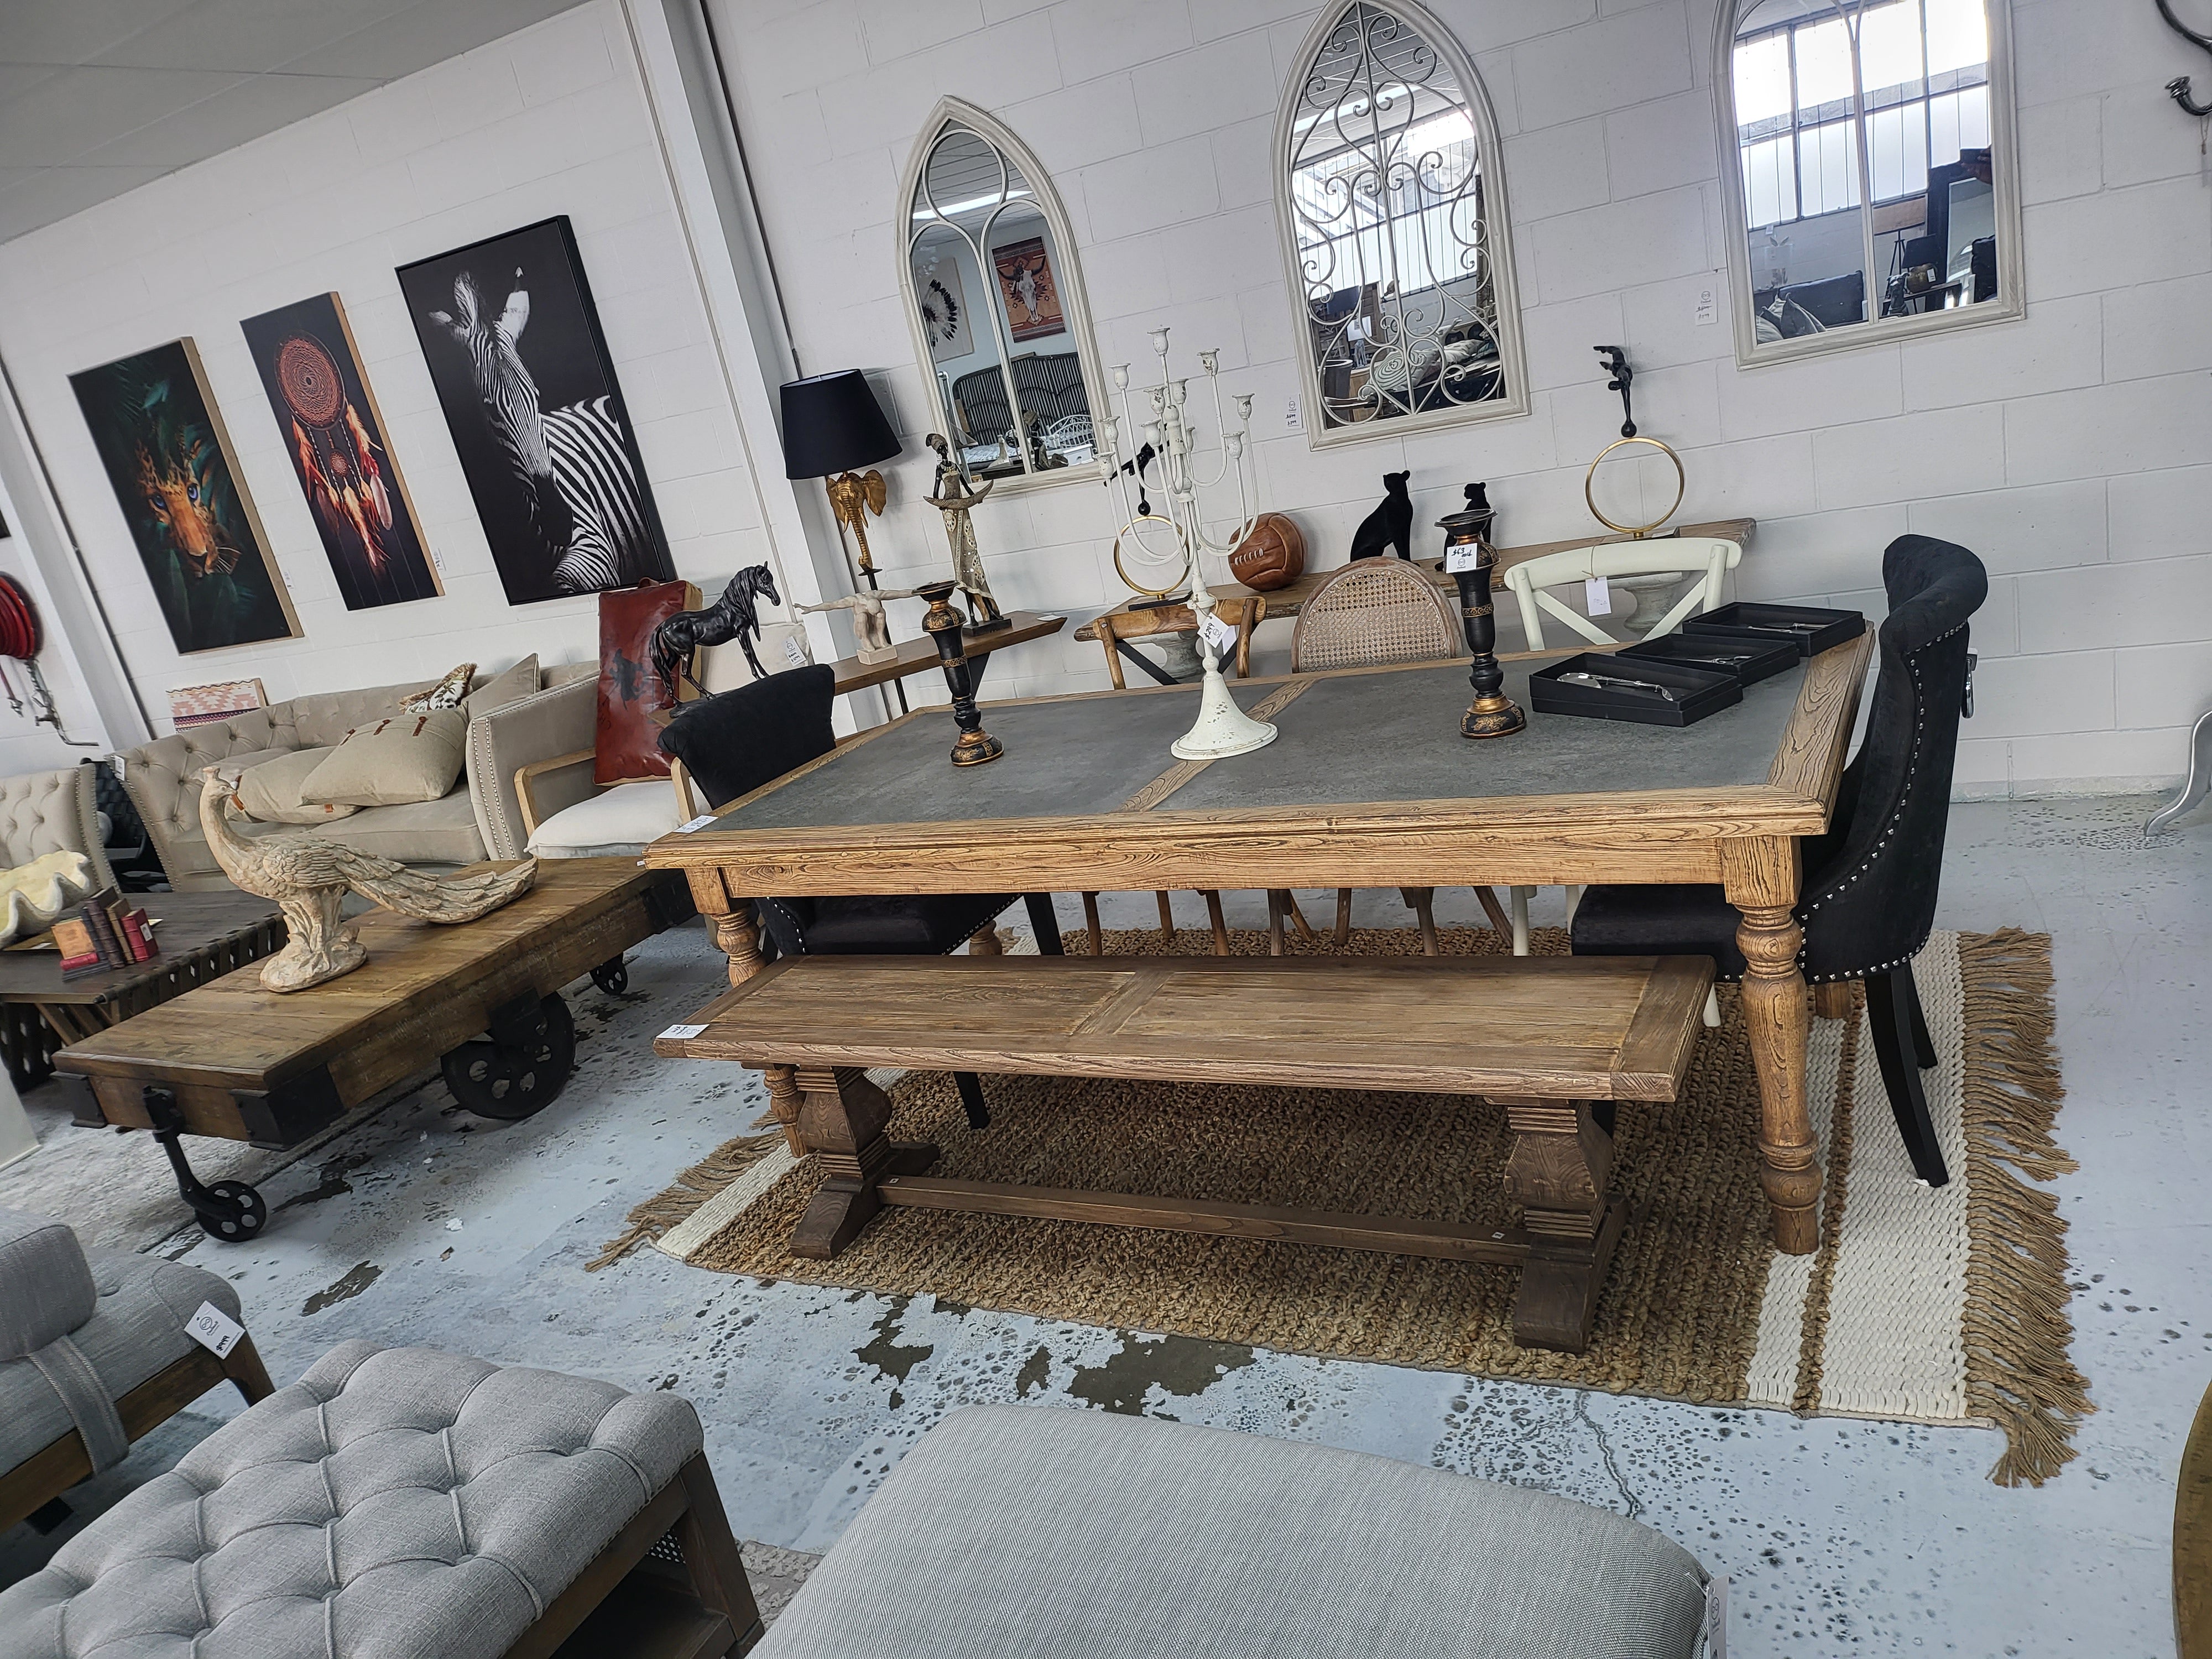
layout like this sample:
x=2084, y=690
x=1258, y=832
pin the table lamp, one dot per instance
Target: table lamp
x=832, y=424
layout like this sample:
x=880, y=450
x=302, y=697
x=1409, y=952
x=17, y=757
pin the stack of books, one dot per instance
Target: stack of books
x=104, y=935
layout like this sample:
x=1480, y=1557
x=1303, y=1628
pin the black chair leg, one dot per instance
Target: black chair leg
x=1923, y=1046
x=1889, y=1014
x=1044, y=922
x=971, y=1096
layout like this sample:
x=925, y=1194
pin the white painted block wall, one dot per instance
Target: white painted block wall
x=548, y=121
x=2073, y=450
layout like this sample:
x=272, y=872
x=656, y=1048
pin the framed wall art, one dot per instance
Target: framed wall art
x=170, y=463
x=328, y=416
x=1032, y=297
x=521, y=367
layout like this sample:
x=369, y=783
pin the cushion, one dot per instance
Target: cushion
x=33, y=894
x=508, y=685
x=617, y=822
x=442, y=832
x=388, y=763
x=630, y=693
x=1068, y=1535
x=268, y=792
x=46, y=1288
x=134, y=1328
x=394, y=1501
x=448, y=693
x=736, y=740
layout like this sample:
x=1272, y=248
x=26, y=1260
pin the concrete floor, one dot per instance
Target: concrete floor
x=1841, y=1537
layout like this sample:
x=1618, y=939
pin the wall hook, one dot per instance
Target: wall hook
x=1616, y=361
x=2179, y=87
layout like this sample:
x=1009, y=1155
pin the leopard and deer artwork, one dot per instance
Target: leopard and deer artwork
x=528, y=389
x=169, y=461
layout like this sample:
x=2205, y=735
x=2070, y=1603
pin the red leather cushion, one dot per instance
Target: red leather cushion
x=628, y=744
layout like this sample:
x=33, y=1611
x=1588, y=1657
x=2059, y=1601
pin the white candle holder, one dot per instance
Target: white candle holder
x=1222, y=728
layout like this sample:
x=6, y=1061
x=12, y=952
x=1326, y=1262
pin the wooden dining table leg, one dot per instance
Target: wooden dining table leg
x=1560, y=1174
x=1760, y=878
x=736, y=934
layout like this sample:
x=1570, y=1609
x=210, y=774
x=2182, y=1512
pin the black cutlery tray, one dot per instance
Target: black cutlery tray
x=1699, y=691
x=1811, y=628
x=1769, y=656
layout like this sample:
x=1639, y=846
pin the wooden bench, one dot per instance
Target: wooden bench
x=1557, y=1040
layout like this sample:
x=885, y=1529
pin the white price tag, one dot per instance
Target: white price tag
x=1467, y=556
x=1716, y=1618
x=214, y=1330
x=1218, y=634
x=1597, y=597
x=699, y=823
x=681, y=1033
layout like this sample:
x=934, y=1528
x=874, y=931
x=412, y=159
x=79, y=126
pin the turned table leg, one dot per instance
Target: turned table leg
x=736, y=935
x=840, y=1119
x=1761, y=882
x=1557, y=1173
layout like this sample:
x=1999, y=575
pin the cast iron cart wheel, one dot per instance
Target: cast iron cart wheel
x=612, y=976
x=520, y=1068
x=233, y=1212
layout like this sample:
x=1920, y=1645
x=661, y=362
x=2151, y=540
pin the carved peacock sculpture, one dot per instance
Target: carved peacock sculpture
x=309, y=877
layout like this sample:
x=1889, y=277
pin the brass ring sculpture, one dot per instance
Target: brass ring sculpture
x=1589, y=480
x=1122, y=570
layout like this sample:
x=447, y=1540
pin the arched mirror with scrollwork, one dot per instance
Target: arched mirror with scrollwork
x=1395, y=233
x=995, y=299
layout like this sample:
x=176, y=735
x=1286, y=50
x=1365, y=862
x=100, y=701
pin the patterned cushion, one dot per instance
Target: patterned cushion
x=448, y=693
x=393, y=1503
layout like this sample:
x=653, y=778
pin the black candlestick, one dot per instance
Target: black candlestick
x=1492, y=714
x=943, y=625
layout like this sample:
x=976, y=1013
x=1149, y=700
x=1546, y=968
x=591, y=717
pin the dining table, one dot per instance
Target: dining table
x=1367, y=783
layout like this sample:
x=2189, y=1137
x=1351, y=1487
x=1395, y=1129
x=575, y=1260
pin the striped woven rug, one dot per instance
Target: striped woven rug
x=1937, y=1307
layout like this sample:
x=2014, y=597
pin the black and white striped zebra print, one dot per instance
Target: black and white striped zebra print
x=582, y=494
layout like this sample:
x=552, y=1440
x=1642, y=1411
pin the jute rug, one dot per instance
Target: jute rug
x=1945, y=1306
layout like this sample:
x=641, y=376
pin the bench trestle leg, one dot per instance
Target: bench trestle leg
x=1559, y=1174
x=841, y=1121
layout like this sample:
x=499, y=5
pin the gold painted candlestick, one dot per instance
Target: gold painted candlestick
x=943, y=624
x=1492, y=714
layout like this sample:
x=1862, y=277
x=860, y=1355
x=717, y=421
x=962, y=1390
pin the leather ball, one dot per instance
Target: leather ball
x=1273, y=556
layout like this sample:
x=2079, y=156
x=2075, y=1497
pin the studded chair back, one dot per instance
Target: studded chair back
x=1869, y=899
x=1371, y=613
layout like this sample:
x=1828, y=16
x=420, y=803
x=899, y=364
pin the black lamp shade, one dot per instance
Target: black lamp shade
x=832, y=423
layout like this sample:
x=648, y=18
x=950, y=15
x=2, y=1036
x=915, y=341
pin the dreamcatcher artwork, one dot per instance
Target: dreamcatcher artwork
x=943, y=304
x=332, y=433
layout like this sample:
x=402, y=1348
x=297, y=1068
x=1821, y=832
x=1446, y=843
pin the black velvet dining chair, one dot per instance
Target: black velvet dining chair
x=1868, y=901
x=733, y=742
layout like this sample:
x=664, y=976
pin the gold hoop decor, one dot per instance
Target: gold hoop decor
x=1589, y=480
x=1122, y=570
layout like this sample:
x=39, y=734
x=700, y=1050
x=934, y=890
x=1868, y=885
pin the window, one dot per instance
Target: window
x=1873, y=178
x=995, y=299
x=1393, y=211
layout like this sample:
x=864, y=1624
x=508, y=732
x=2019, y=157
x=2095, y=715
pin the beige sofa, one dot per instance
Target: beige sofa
x=478, y=818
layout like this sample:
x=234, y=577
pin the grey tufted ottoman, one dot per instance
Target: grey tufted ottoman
x=404, y=1503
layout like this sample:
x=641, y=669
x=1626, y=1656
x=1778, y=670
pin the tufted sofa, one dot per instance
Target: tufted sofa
x=163, y=778
x=43, y=813
x=394, y=1504
x=93, y=1354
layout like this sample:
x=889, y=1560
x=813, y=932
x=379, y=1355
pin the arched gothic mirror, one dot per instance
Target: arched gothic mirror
x=996, y=301
x=1392, y=204
x=1873, y=186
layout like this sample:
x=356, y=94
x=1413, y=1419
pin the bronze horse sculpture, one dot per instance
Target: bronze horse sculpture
x=734, y=616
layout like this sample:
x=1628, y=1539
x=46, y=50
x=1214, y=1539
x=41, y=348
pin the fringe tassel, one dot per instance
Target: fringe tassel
x=1835, y=1191
x=661, y=1214
x=2017, y=1328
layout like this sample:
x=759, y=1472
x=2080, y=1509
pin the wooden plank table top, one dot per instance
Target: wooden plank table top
x=189, y=923
x=915, y=656
x=1368, y=784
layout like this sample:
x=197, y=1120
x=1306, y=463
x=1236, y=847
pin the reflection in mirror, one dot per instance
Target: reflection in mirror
x=1396, y=225
x=1863, y=134
x=988, y=279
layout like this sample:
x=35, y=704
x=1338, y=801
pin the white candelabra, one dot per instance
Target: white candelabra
x=1222, y=728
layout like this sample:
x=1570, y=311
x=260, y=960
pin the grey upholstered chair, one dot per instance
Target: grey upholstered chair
x=93, y=1353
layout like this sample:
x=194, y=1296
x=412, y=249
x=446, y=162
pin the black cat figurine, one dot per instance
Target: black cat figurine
x=1389, y=526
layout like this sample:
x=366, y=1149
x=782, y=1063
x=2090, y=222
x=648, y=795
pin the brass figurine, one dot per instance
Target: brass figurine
x=954, y=494
x=1492, y=714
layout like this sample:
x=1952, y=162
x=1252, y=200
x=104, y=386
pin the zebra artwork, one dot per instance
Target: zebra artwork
x=582, y=494
x=529, y=391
